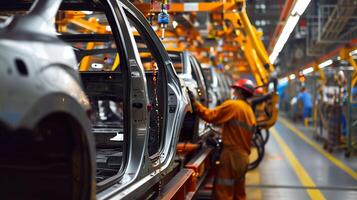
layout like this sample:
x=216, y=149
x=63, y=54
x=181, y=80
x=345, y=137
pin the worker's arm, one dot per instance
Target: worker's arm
x=218, y=115
x=257, y=100
x=299, y=97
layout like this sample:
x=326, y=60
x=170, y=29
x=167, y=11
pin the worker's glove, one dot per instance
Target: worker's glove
x=215, y=142
x=191, y=96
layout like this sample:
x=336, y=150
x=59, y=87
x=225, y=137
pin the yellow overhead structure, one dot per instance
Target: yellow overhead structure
x=189, y=7
x=254, y=49
x=239, y=37
x=246, y=43
x=345, y=55
x=90, y=25
x=257, y=69
x=234, y=18
x=254, y=63
x=253, y=35
x=242, y=31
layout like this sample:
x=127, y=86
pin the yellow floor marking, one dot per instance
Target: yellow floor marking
x=253, y=178
x=301, y=173
x=313, y=144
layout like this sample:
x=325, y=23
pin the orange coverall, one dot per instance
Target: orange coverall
x=238, y=122
x=260, y=112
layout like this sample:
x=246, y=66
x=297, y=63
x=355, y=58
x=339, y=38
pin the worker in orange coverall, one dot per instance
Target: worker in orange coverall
x=238, y=120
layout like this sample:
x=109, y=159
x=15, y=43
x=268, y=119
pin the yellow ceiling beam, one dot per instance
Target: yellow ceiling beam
x=189, y=7
x=256, y=41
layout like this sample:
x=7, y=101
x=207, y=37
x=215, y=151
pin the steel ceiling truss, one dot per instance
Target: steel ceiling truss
x=344, y=52
x=326, y=28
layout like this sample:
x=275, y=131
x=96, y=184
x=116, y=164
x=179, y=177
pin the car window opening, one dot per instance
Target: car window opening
x=155, y=87
x=99, y=63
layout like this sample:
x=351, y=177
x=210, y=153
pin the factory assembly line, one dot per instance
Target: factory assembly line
x=98, y=98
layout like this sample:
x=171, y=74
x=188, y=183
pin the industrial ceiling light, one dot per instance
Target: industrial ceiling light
x=295, y=13
x=325, y=64
x=284, y=36
x=307, y=71
x=300, y=7
x=283, y=80
x=87, y=12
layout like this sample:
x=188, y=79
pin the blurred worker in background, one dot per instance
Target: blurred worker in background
x=305, y=98
x=238, y=120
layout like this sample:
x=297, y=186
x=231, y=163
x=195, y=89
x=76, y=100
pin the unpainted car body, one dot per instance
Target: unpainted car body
x=50, y=85
x=190, y=71
x=42, y=112
x=218, y=86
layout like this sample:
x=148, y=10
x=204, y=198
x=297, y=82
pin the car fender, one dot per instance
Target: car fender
x=43, y=77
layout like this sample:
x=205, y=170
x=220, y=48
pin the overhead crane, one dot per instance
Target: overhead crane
x=244, y=34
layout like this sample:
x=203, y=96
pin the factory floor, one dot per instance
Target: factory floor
x=297, y=167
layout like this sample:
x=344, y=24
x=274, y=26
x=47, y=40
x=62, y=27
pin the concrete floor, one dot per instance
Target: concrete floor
x=296, y=167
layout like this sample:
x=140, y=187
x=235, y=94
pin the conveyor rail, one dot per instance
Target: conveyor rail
x=179, y=187
x=186, y=183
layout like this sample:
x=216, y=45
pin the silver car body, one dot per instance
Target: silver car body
x=53, y=85
x=142, y=173
x=39, y=78
x=191, y=74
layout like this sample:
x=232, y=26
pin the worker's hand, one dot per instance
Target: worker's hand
x=191, y=96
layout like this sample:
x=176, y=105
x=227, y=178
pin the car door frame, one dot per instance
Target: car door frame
x=135, y=93
x=141, y=174
x=201, y=83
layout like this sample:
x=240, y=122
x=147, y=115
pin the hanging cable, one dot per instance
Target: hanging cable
x=163, y=17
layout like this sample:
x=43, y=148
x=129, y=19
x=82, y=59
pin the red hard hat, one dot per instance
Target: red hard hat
x=259, y=90
x=245, y=84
